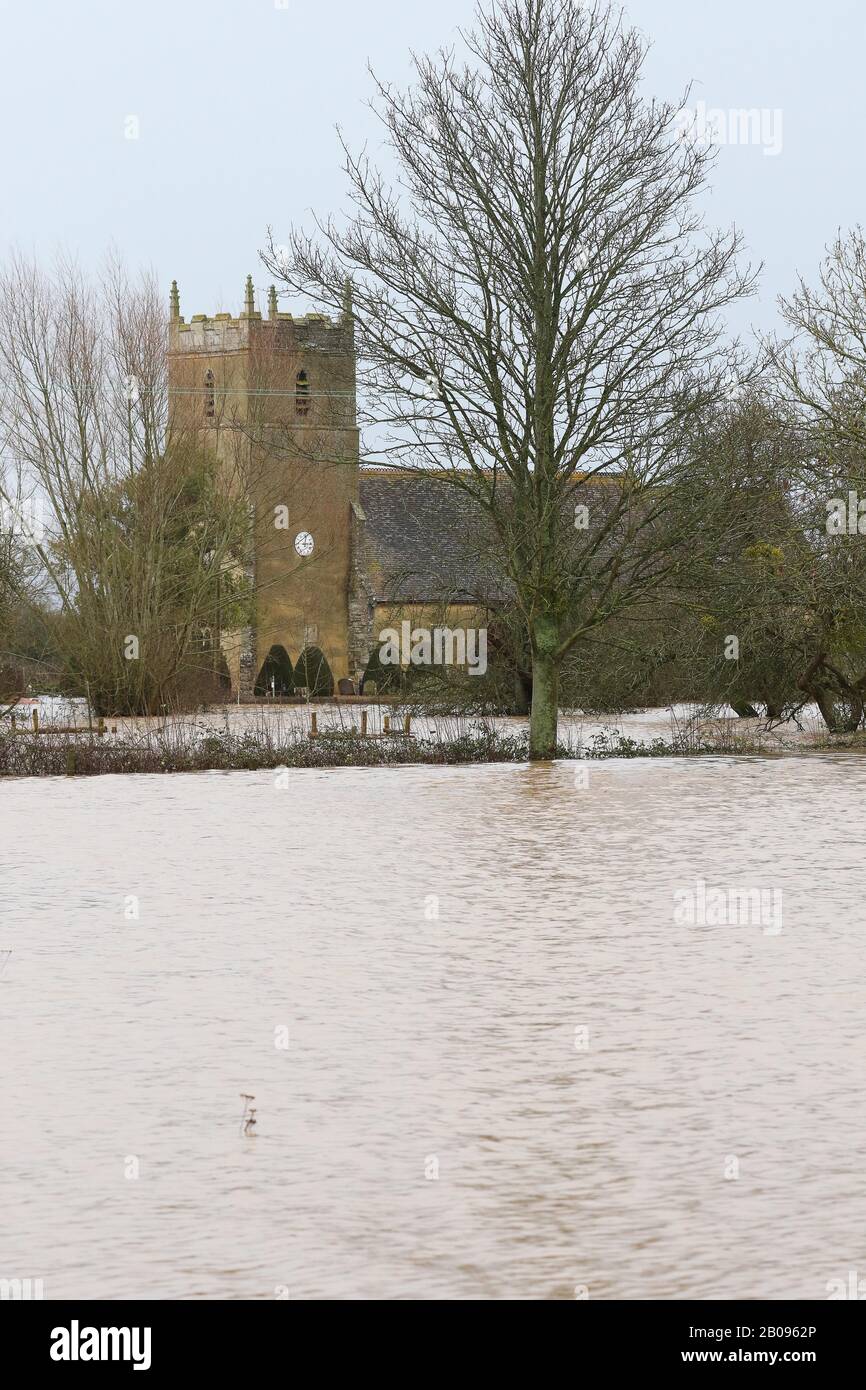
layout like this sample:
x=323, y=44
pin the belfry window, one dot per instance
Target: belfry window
x=209, y=395
x=302, y=394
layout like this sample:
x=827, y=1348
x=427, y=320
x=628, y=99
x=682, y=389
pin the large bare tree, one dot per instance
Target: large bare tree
x=139, y=523
x=536, y=302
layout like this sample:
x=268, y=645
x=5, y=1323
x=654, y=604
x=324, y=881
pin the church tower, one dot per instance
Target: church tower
x=274, y=398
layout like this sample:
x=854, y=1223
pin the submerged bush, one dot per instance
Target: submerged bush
x=190, y=748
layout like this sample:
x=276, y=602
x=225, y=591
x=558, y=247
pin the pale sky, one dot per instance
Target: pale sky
x=236, y=103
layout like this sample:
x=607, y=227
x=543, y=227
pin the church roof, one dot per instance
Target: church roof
x=424, y=539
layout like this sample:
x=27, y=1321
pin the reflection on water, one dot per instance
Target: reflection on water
x=509, y=1073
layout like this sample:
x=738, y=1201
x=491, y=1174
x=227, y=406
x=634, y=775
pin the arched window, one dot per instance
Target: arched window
x=302, y=394
x=209, y=395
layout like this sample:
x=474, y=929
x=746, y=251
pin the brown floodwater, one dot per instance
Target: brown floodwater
x=492, y=1053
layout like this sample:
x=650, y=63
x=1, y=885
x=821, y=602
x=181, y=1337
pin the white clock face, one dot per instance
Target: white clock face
x=304, y=543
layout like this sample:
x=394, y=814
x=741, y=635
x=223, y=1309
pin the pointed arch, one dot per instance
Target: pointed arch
x=209, y=394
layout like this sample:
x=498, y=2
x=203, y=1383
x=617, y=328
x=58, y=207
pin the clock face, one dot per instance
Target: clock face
x=304, y=543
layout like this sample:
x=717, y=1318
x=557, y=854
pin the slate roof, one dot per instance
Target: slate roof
x=425, y=539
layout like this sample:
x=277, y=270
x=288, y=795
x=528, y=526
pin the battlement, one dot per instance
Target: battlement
x=283, y=332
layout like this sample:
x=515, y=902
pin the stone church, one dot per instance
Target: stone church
x=338, y=551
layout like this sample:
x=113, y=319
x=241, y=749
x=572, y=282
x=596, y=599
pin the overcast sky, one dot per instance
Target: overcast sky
x=235, y=104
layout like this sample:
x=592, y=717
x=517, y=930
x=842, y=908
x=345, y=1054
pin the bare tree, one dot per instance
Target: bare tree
x=821, y=372
x=536, y=303
x=822, y=367
x=139, y=522
x=16, y=572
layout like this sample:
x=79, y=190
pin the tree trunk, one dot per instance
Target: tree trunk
x=842, y=714
x=545, y=692
x=840, y=703
x=522, y=692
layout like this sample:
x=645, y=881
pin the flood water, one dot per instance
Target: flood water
x=489, y=1057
